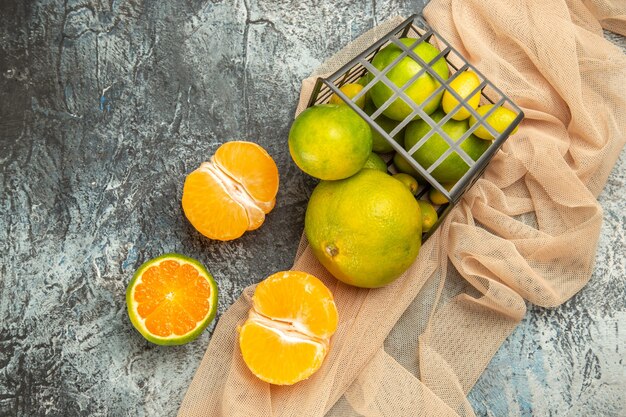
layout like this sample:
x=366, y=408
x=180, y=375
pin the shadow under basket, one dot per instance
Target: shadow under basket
x=417, y=28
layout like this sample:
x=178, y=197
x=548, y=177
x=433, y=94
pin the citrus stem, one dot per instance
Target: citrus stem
x=332, y=250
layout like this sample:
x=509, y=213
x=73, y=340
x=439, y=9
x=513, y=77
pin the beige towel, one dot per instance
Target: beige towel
x=527, y=230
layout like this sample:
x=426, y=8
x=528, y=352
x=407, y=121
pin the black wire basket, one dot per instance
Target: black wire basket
x=417, y=28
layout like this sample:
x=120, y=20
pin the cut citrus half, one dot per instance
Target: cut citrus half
x=231, y=193
x=171, y=299
x=287, y=334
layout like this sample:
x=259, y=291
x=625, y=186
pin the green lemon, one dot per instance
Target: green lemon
x=403, y=166
x=374, y=161
x=408, y=181
x=420, y=90
x=500, y=119
x=366, y=230
x=429, y=215
x=463, y=84
x=330, y=141
x=453, y=167
x=379, y=143
x=437, y=197
x=350, y=90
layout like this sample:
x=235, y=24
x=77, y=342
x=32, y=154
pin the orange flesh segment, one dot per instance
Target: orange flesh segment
x=231, y=194
x=311, y=310
x=287, y=333
x=252, y=167
x=211, y=209
x=172, y=298
x=291, y=358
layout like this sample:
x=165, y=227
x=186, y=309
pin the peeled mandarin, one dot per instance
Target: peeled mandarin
x=287, y=334
x=231, y=193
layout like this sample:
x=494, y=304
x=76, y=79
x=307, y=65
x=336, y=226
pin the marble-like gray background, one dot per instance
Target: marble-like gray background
x=106, y=105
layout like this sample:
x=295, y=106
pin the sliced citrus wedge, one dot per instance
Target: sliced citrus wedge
x=171, y=299
x=287, y=334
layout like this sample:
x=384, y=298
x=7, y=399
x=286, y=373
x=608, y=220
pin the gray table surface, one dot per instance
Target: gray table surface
x=105, y=106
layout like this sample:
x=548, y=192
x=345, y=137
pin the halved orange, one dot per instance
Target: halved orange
x=171, y=299
x=287, y=334
x=233, y=192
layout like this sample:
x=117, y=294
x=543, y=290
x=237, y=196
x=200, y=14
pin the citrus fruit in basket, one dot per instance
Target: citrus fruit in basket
x=437, y=197
x=408, y=181
x=365, y=230
x=379, y=143
x=453, y=167
x=330, y=141
x=233, y=192
x=463, y=84
x=420, y=90
x=402, y=165
x=350, y=90
x=375, y=162
x=500, y=119
x=429, y=215
x=287, y=334
x=171, y=299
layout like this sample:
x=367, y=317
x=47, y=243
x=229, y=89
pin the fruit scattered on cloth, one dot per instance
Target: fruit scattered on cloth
x=233, y=192
x=419, y=90
x=330, y=141
x=366, y=230
x=287, y=334
x=171, y=299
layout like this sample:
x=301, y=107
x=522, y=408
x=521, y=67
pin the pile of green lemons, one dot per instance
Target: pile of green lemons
x=362, y=224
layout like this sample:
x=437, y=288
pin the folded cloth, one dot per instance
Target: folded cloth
x=526, y=231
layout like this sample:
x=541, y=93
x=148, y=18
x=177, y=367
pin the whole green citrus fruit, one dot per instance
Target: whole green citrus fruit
x=418, y=91
x=374, y=161
x=379, y=143
x=499, y=120
x=453, y=167
x=366, y=229
x=330, y=141
x=350, y=90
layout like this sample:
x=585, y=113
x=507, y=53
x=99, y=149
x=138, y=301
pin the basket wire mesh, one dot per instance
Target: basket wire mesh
x=416, y=27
